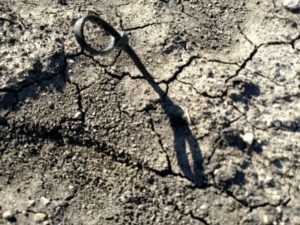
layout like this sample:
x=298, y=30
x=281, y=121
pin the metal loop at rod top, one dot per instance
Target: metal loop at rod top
x=119, y=40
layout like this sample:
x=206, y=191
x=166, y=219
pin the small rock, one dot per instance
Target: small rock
x=248, y=138
x=77, y=115
x=70, y=61
x=204, y=207
x=9, y=216
x=269, y=122
x=30, y=203
x=25, y=213
x=39, y=217
x=267, y=219
x=276, y=106
x=279, y=209
x=51, y=105
x=90, y=212
x=291, y=4
x=45, y=201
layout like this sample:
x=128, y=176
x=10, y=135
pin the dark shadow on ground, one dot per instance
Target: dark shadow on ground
x=295, y=11
x=39, y=81
x=247, y=90
x=183, y=137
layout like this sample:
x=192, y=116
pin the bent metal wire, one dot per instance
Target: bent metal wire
x=118, y=40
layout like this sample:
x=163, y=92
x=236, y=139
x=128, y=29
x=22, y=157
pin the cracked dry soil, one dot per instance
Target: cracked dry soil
x=89, y=140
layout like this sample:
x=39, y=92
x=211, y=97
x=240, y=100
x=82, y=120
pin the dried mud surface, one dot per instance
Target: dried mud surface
x=88, y=140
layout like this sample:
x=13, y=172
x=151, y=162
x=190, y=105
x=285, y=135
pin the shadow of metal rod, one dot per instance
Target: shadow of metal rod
x=183, y=136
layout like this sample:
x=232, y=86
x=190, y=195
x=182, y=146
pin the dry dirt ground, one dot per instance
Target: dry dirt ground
x=88, y=140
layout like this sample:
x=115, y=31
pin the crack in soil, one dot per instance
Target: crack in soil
x=202, y=220
x=142, y=26
x=120, y=20
x=179, y=70
x=79, y=103
x=243, y=65
x=204, y=93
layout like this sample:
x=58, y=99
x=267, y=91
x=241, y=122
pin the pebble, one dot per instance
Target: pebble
x=204, y=207
x=70, y=61
x=45, y=201
x=39, y=217
x=269, y=122
x=30, y=203
x=77, y=115
x=267, y=219
x=248, y=138
x=291, y=4
x=9, y=216
x=276, y=106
